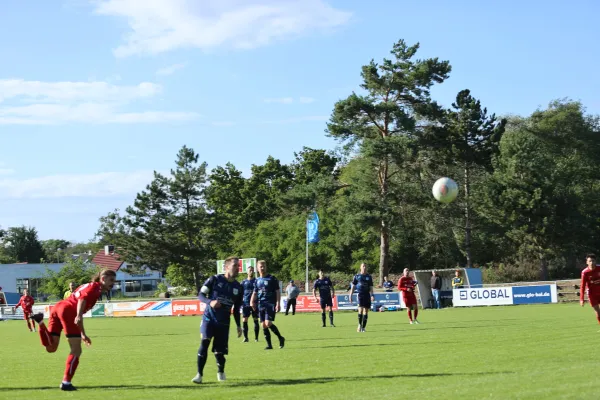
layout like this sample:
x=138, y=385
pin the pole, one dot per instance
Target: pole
x=306, y=283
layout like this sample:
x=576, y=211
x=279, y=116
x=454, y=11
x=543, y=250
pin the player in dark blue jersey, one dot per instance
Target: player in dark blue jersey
x=362, y=284
x=222, y=294
x=247, y=310
x=266, y=291
x=326, y=293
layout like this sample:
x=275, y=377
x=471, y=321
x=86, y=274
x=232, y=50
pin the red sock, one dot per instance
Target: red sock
x=45, y=335
x=70, y=367
x=409, y=314
x=416, y=312
x=28, y=324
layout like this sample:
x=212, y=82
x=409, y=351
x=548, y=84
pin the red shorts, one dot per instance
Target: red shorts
x=409, y=299
x=62, y=317
x=26, y=314
x=594, y=299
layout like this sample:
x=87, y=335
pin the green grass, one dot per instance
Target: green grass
x=519, y=352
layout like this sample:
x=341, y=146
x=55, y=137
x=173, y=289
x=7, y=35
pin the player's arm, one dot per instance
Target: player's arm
x=206, y=291
x=372, y=288
x=18, y=304
x=332, y=291
x=315, y=290
x=278, y=293
x=582, y=289
x=254, y=297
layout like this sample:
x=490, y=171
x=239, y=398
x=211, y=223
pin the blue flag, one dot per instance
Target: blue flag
x=312, y=228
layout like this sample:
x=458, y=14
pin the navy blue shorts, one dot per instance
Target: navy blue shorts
x=219, y=334
x=247, y=311
x=266, y=312
x=326, y=302
x=364, y=300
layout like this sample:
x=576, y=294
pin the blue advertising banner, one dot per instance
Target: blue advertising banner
x=312, y=227
x=532, y=294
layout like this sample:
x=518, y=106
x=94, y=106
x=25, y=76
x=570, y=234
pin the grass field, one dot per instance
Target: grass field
x=518, y=352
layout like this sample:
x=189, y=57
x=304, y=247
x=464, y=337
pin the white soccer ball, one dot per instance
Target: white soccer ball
x=445, y=190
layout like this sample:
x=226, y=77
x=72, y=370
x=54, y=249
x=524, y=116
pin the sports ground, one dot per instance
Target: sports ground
x=512, y=352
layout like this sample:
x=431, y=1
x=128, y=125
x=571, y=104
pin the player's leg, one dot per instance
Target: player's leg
x=221, y=349
x=360, y=318
x=206, y=333
x=73, y=333
x=408, y=308
x=262, y=314
x=596, y=307
x=245, y=315
x=27, y=319
x=323, y=307
x=256, y=325
x=49, y=336
x=330, y=307
x=294, y=306
x=415, y=309
x=273, y=328
x=288, y=304
x=366, y=315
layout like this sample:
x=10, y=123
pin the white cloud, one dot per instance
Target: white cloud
x=281, y=100
x=43, y=103
x=171, y=69
x=158, y=26
x=104, y=184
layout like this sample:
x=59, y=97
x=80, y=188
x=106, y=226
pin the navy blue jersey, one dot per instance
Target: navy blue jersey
x=362, y=283
x=388, y=285
x=248, y=288
x=324, y=287
x=229, y=294
x=266, y=289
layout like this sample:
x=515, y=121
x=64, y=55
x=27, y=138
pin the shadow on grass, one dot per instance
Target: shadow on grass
x=262, y=382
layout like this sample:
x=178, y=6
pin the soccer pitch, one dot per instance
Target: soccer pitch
x=513, y=352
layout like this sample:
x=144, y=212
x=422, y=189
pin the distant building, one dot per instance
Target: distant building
x=14, y=278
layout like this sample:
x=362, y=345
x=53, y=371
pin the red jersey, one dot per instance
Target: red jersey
x=590, y=282
x=405, y=283
x=25, y=302
x=90, y=292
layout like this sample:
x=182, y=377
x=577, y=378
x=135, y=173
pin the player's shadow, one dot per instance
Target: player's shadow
x=262, y=382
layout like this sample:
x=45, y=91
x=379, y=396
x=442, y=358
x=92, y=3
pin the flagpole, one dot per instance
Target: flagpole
x=306, y=284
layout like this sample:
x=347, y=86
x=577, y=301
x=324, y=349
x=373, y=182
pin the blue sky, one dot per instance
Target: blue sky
x=95, y=95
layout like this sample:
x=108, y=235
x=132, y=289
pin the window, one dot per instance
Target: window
x=149, y=286
x=22, y=284
x=132, y=286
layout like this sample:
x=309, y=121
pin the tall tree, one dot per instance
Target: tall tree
x=397, y=98
x=22, y=245
x=55, y=249
x=467, y=140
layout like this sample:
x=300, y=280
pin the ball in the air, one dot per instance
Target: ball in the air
x=445, y=190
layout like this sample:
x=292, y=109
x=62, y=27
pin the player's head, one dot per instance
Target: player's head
x=590, y=260
x=321, y=274
x=363, y=268
x=231, y=267
x=107, y=278
x=262, y=267
x=406, y=272
x=71, y=286
x=457, y=273
x=385, y=278
x=250, y=272
x=434, y=273
x=25, y=292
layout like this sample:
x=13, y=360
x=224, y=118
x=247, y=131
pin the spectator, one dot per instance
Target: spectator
x=387, y=285
x=457, y=281
x=436, y=286
x=292, y=292
x=69, y=292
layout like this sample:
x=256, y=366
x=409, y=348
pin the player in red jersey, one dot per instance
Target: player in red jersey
x=68, y=315
x=590, y=283
x=406, y=285
x=26, y=302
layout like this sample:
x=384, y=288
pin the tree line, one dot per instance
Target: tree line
x=526, y=208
